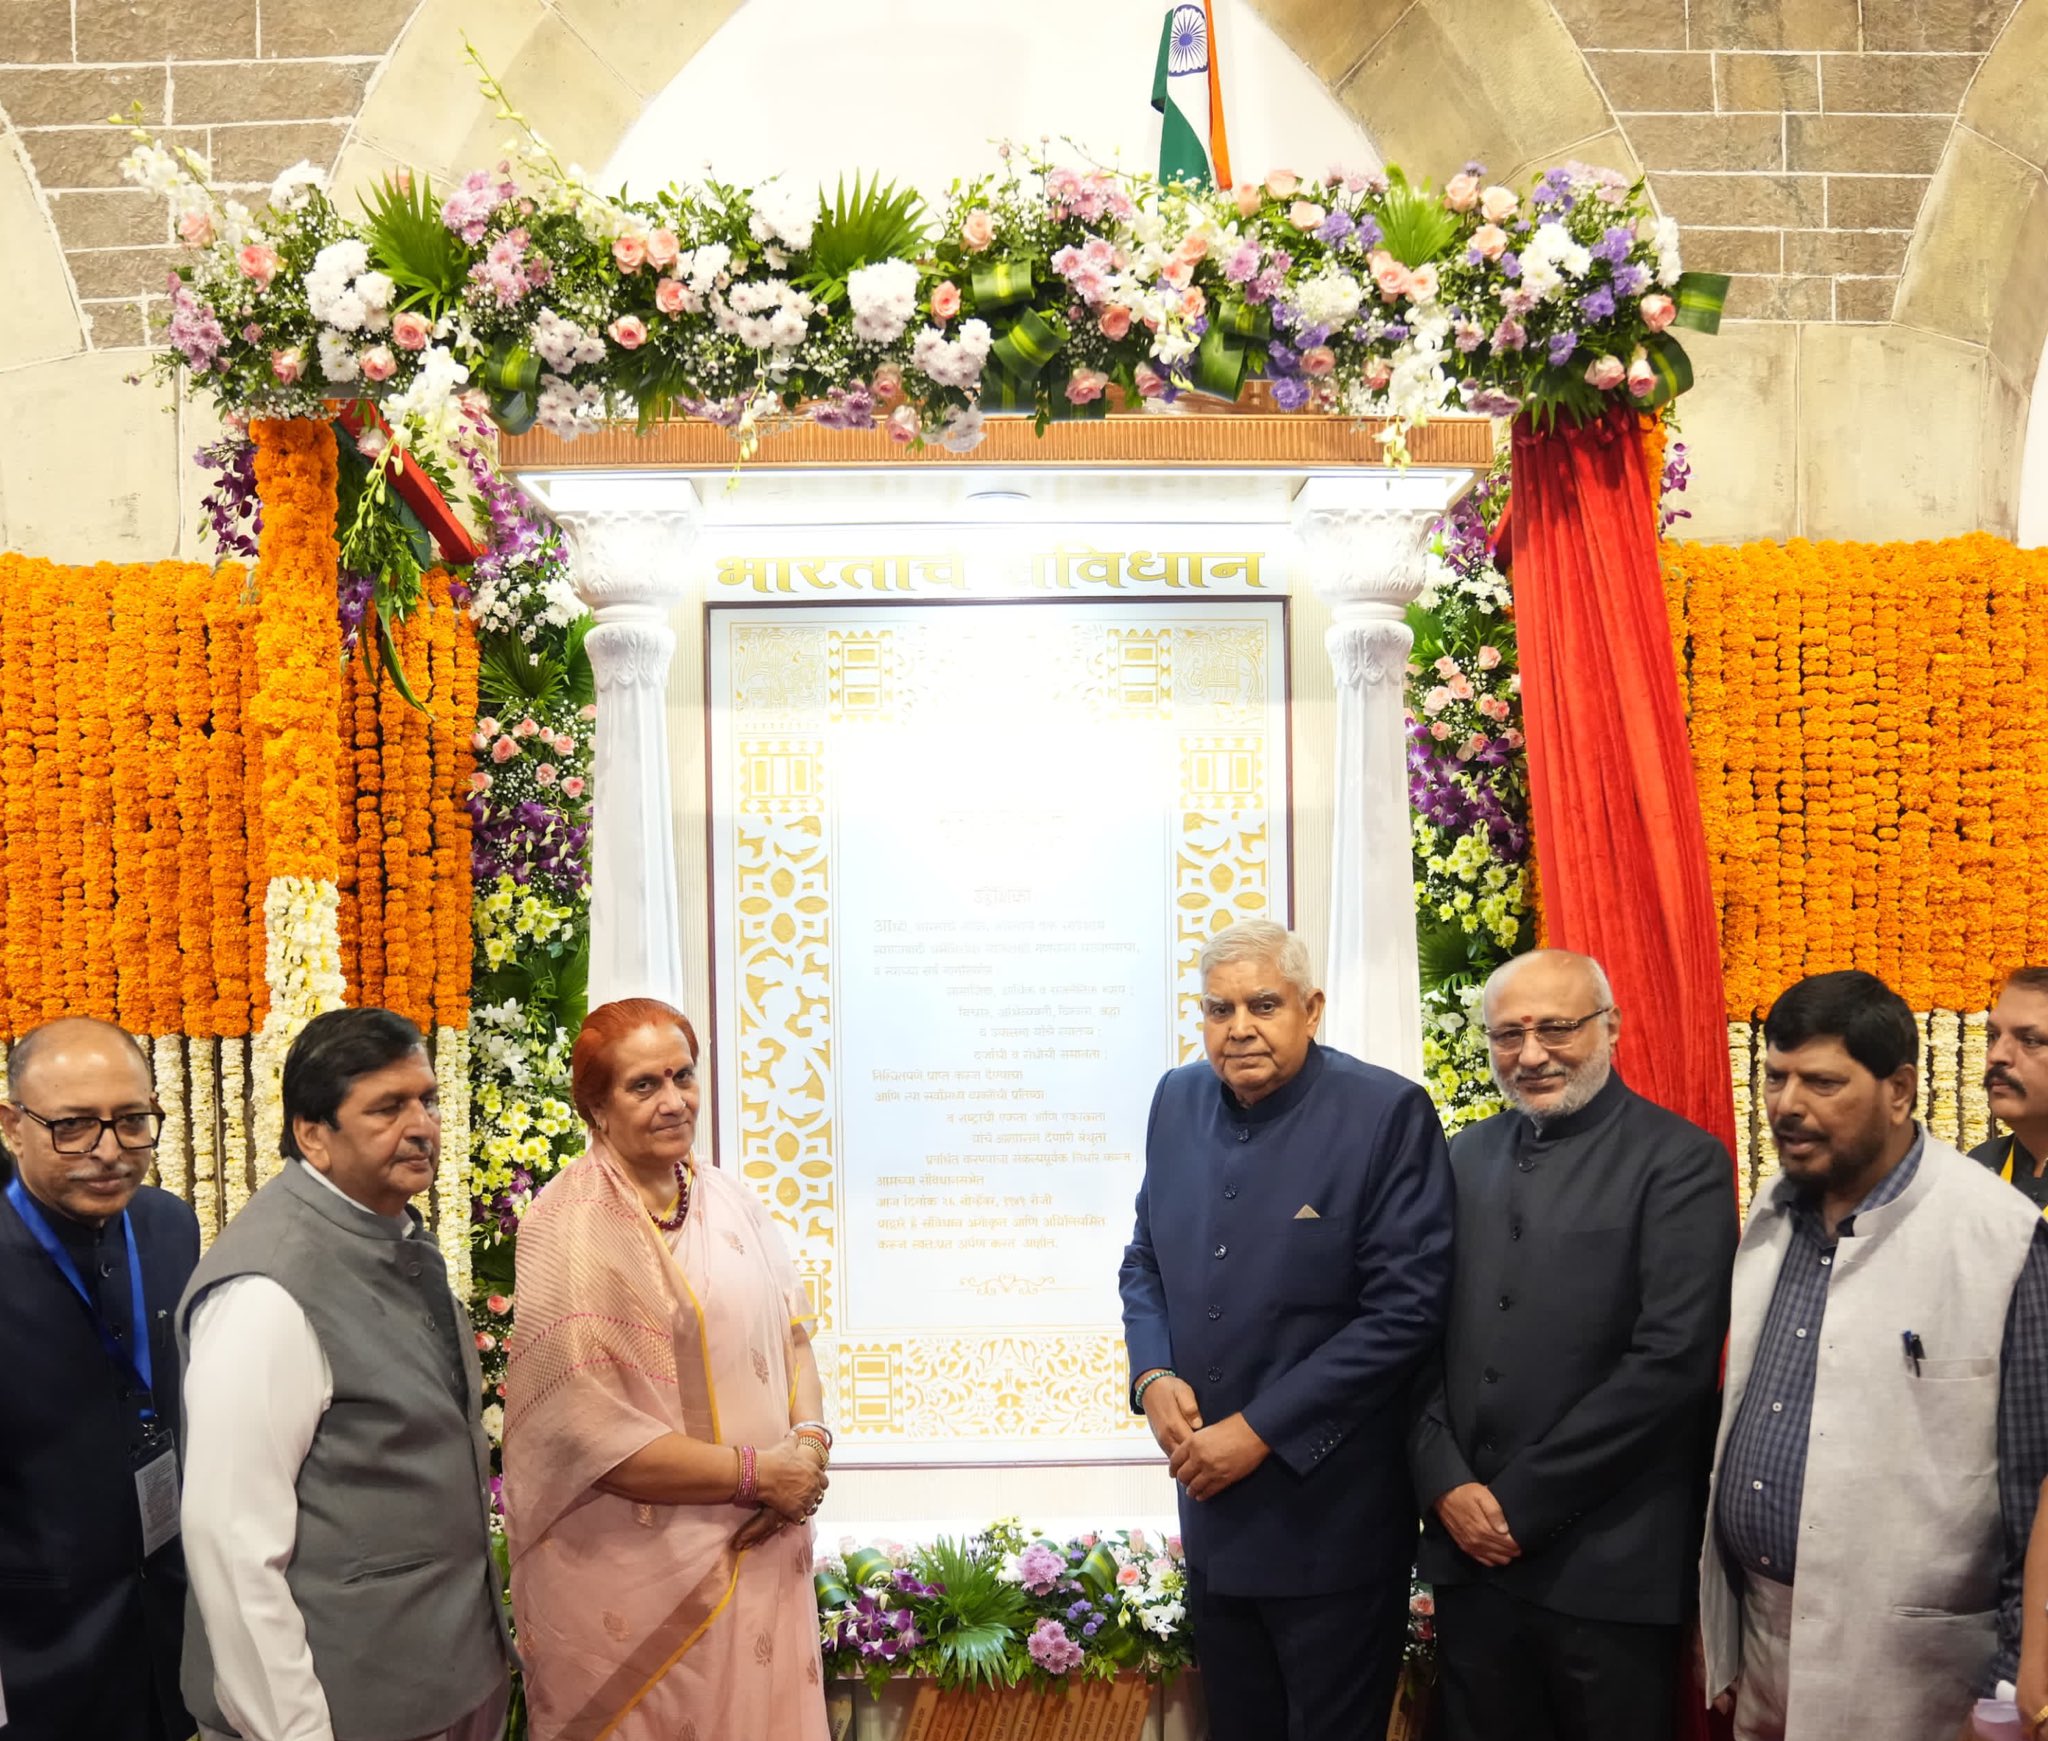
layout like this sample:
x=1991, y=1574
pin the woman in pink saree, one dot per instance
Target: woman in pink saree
x=663, y=1442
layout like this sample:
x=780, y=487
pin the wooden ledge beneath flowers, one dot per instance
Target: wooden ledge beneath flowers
x=1196, y=434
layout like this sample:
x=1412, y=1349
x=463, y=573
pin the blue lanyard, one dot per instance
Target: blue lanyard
x=136, y=1358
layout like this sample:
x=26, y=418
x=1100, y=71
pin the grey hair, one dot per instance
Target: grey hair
x=1603, y=991
x=1262, y=940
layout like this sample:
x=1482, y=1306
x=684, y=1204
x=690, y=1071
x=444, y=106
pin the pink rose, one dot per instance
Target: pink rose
x=572, y=787
x=258, y=260
x=630, y=252
x=903, y=424
x=1318, y=360
x=1422, y=282
x=662, y=249
x=1658, y=310
x=587, y=711
x=485, y=1341
x=668, y=296
x=1642, y=379
x=1388, y=274
x=1085, y=386
x=410, y=330
x=289, y=365
x=1193, y=303
x=1151, y=383
x=1115, y=321
x=1446, y=666
x=1306, y=215
x=1497, y=205
x=1461, y=687
x=196, y=228
x=888, y=383
x=499, y=1304
x=378, y=363
x=1378, y=373
x=1473, y=744
x=485, y=728
x=1436, y=700
x=545, y=773
x=479, y=781
x=945, y=300
x=1513, y=739
x=1490, y=241
x=1489, y=657
x=977, y=230
x=1605, y=373
x=1177, y=273
x=1192, y=249
x=1129, y=1576
x=629, y=331
x=1441, y=732
x=1281, y=183
x=529, y=727
x=1461, y=192
x=1249, y=199
x=504, y=750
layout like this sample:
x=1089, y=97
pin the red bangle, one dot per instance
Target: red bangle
x=749, y=1489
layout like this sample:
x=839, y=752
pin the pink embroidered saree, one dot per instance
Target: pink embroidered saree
x=641, y=1622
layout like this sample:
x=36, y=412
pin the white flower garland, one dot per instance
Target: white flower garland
x=1741, y=1043
x=1976, y=1109
x=234, y=1156
x=1765, y=1157
x=173, y=1167
x=302, y=966
x=1944, y=1042
x=205, y=1123
x=451, y=1183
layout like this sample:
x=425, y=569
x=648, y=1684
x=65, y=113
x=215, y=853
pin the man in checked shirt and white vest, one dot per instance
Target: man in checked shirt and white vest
x=1884, y=1432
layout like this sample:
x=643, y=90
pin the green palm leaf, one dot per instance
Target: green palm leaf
x=976, y=1617
x=1450, y=957
x=880, y=221
x=408, y=241
x=1414, y=225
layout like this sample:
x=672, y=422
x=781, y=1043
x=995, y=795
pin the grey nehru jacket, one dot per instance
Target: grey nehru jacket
x=392, y=1570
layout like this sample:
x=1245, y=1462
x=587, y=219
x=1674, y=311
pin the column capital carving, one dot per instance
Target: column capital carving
x=627, y=543
x=1368, y=550
x=630, y=654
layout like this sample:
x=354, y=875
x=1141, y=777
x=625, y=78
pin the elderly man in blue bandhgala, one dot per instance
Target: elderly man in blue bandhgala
x=1290, y=1267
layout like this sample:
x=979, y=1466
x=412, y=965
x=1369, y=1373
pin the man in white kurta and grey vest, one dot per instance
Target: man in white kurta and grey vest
x=1885, y=1430
x=336, y=1517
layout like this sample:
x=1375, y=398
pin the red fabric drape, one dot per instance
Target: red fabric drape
x=1621, y=854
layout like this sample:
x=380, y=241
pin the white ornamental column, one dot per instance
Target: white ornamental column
x=1367, y=549
x=629, y=539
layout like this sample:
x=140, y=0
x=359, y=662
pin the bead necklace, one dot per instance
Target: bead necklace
x=669, y=1224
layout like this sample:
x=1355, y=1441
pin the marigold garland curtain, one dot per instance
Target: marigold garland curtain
x=1619, y=844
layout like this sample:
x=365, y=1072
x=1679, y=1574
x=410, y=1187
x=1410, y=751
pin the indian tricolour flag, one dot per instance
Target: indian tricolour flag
x=1188, y=93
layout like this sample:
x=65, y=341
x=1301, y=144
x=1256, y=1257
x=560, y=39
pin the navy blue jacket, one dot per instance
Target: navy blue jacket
x=1310, y=1324
x=90, y=1631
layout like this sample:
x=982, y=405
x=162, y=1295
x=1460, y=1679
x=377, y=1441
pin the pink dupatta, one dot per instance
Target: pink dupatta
x=612, y=1351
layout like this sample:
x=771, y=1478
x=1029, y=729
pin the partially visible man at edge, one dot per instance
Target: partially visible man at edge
x=92, y=1576
x=336, y=1518
x=1288, y=1269
x=2016, y=1084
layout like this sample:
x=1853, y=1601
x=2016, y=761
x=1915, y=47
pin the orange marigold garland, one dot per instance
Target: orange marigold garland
x=48, y=862
x=369, y=789
x=348, y=912
x=64, y=974
x=23, y=588
x=1976, y=717
x=455, y=653
x=128, y=729
x=93, y=599
x=395, y=717
x=2002, y=670
x=292, y=713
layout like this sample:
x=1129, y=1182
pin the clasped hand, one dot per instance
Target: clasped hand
x=1477, y=1524
x=790, y=1480
x=1203, y=1459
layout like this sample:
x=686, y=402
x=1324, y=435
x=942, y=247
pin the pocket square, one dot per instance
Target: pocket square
x=1307, y=1212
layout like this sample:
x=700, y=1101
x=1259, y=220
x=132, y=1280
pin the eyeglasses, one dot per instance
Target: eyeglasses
x=1549, y=1035
x=80, y=1136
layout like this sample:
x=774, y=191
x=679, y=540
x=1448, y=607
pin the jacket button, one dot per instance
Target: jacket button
x=1244, y=1136
x=1215, y=1375
x=1215, y=1312
x=1489, y=1376
x=1486, y=1444
x=1515, y=1230
x=1222, y=1251
x=1505, y=1302
x=1229, y=1191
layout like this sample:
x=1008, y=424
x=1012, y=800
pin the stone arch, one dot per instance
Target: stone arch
x=1976, y=271
x=1433, y=82
x=47, y=322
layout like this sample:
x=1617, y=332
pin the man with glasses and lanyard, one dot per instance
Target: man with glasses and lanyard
x=92, y=1261
x=1561, y=1440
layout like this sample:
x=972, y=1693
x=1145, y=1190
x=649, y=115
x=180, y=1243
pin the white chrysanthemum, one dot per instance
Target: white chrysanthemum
x=883, y=297
x=337, y=361
x=1668, y=266
x=782, y=214
x=291, y=190
x=1329, y=299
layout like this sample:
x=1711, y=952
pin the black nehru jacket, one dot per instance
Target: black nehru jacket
x=90, y=1631
x=1580, y=1369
